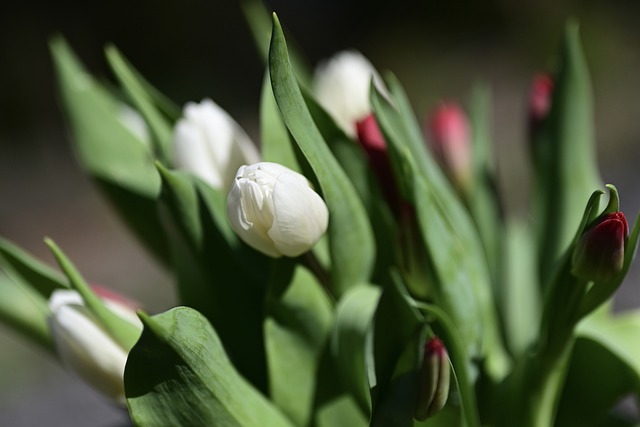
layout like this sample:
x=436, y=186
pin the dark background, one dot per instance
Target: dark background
x=195, y=49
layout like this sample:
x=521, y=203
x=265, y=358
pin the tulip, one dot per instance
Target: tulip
x=211, y=145
x=434, y=382
x=85, y=347
x=371, y=140
x=539, y=100
x=341, y=86
x=451, y=142
x=599, y=255
x=274, y=210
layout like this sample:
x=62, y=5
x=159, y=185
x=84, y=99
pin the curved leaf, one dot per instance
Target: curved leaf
x=179, y=375
x=351, y=238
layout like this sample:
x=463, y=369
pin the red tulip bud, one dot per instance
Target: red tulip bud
x=372, y=141
x=539, y=100
x=451, y=142
x=433, y=389
x=600, y=252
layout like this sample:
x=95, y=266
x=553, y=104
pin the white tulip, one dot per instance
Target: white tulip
x=341, y=85
x=211, y=145
x=83, y=345
x=275, y=210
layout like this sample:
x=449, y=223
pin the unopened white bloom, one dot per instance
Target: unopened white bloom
x=341, y=85
x=211, y=145
x=85, y=347
x=275, y=210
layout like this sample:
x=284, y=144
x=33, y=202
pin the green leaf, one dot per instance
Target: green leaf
x=116, y=158
x=342, y=411
x=351, y=238
x=23, y=268
x=350, y=342
x=398, y=339
x=159, y=126
x=259, y=19
x=604, y=368
x=25, y=311
x=217, y=275
x=123, y=332
x=297, y=325
x=178, y=374
x=566, y=172
x=463, y=287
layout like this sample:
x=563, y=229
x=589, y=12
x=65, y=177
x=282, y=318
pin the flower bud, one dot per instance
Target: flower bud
x=275, y=210
x=539, y=100
x=599, y=255
x=371, y=140
x=433, y=387
x=85, y=347
x=341, y=86
x=211, y=145
x=451, y=142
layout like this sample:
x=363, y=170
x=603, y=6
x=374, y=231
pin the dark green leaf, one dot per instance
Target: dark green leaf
x=350, y=342
x=351, y=238
x=179, y=375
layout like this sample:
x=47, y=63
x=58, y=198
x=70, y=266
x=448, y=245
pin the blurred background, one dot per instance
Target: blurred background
x=204, y=49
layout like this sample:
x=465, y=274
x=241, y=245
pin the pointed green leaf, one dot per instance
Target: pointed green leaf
x=351, y=238
x=565, y=164
x=159, y=126
x=24, y=268
x=297, y=325
x=116, y=158
x=123, y=332
x=178, y=374
x=463, y=285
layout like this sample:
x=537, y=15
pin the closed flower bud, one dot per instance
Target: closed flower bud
x=599, y=255
x=275, y=210
x=451, y=142
x=84, y=346
x=341, y=86
x=539, y=100
x=211, y=145
x=435, y=378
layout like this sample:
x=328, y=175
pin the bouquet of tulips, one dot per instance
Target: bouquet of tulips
x=355, y=269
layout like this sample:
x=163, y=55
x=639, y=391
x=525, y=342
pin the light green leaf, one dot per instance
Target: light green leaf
x=123, y=332
x=604, y=368
x=351, y=238
x=116, y=158
x=566, y=172
x=178, y=374
x=22, y=267
x=350, y=342
x=297, y=325
x=135, y=89
x=25, y=311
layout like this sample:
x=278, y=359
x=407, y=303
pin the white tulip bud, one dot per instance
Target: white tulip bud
x=85, y=347
x=341, y=86
x=211, y=145
x=275, y=210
